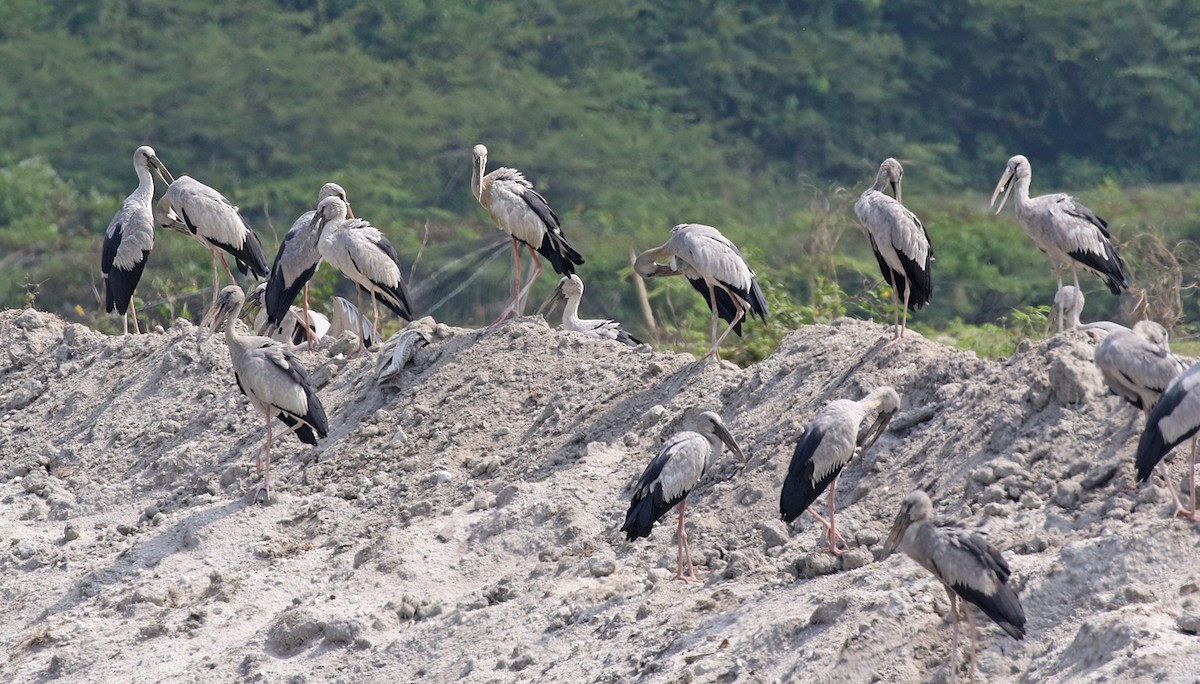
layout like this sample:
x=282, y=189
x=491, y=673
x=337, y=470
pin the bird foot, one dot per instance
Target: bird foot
x=835, y=550
x=1181, y=512
x=691, y=579
x=265, y=492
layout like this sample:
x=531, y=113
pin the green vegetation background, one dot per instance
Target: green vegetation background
x=766, y=119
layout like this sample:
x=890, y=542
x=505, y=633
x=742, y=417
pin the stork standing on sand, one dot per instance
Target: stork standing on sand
x=1173, y=420
x=364, y=255
x=965, y=564
x=715, y=268
x=571, y=289
x=130, y=237
x=900, y=242
x=517, y=209
x=1070, y=234
x=271, y=378
x=833, y=438
x=193, y=208
x=296, y=262
x=671, y=476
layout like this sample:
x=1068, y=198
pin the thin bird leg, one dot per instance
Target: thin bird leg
x=741, y=313
x=358, y=291
x=684, y=551
x=537, y=264
x=904, y=324
x=974, y=637
x=266, y=471
x=212, y=253
x=832, y=531
x=279, y=437
x=895, y=303
x=827, y=526
x=1192, y=481
x=511, y=307
x=713, y=351
x=1060, y=311
x=125, y=324
x=133, y=311
x=227, y=271
x=375, y=306
x=954, y=644
x=313, y=343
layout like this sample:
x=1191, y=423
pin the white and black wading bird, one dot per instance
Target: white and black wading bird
x=1068, y=232
x=967, y=566
x=271, y=378
x=900, y=242
x=130, y=237
x=834, y=437
x=1137, y=364
x=295, y=263
x=571, y=289
x=674, y=473
x=364, y=255
x=192, y=208
x=1172, y=421
x=715, y=268
x=517, y=209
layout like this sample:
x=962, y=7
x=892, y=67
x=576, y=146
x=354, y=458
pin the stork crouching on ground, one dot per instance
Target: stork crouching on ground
x=517, y=209
x=900, y=242
x=571, y=289
x=965, y=564
x=1138, y=365
x=833, y=438
x=130, y=237
x=715, y=268
x=674, y=473
x=271, y=378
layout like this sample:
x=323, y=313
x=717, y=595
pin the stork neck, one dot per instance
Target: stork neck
x=145, y=188
x=1021, y=200
x=644, y=264
x=571, y=311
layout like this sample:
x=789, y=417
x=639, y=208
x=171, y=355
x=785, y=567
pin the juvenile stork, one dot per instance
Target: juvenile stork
x=900, y=242
x=1174, y=419
x=130, y=237
x=965, y=564
x=296, y=262
x=1069, y=302
x=571, y=289
x=715, y=268
x=298, y=328
x=1068, y=232
x=192, y=208
x=364, y=255
x=517, y=209
x=271, y=378
x=831, y=440
x=1138, y=365
x=674, y=473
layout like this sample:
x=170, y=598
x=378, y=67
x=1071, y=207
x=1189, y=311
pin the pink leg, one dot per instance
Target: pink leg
x=833, y=533
x=521, y=296
x=828, y=528
x=133, y=311
x=511, y=307
x=313, y=342
x=713, y=351
x=265, y=470
x=974, y=636
x=741, y=313
x=684, y=550
x=227, y=271
x=212, y=253
x=953, y=664
x=904, y=322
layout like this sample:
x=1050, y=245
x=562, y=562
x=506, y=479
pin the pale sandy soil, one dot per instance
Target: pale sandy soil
x=463, y=525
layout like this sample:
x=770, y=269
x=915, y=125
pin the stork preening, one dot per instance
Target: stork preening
x=834, y=437
x=192, y=208
x=517, y=209
x=364, y=255
x=271, y=378
x=965, y=564
x=1068, y=232
x=900, y=242
x=715, y=268
x=674, y=473
x=571, y=289
x=1138, y=365
x=1174, y=419
x=130, y=237
x=296, y=262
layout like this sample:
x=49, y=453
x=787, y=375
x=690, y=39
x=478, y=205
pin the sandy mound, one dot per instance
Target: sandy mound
x=462, y=523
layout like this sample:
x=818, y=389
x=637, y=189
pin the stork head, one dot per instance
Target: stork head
x=890, y=173
x=915, y=508
x=570, y=286
x=479, y=152
x=711, y=424
x=335, y=190
x=145, y=156
x=885, y=402
x=1017, y=168
x=331, y=210
x=225, y=310
x=1153, y=332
